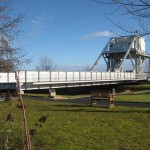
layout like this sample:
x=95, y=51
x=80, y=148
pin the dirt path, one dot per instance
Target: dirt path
x=86, y=101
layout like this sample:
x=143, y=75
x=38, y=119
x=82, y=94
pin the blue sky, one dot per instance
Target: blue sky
x=71, y=32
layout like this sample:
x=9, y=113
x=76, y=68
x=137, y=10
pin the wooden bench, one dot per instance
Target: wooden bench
x=102, y=95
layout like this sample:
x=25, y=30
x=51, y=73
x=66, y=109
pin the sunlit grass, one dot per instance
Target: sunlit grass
x=133, y=98
x=79, y=127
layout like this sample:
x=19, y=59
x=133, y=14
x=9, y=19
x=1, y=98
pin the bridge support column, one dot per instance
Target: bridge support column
x=52, y=93
x=114, y=91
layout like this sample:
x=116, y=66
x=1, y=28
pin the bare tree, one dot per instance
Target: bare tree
x=138, y=10
x=45, y=64
x=11, y=58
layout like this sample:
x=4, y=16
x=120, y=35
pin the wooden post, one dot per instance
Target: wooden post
x=28, y=141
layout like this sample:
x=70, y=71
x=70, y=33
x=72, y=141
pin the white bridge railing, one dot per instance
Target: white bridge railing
x=46, y=76
x=30, y=78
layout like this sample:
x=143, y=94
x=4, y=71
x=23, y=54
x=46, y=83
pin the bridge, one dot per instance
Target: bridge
x=116, y=51
x=30, y=80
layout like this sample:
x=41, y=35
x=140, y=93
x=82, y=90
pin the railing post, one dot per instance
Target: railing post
x=25, y=73
x=58, y=76
x=8, y=77
x=79, y=76
x=96, y=75
x=49, y=75
x=38, y=76
x=66, y=75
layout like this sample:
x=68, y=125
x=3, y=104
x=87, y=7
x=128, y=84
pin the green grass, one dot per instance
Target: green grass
x=80, y=127
x=133, y=97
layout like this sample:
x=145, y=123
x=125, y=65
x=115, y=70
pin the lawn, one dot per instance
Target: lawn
x=133, y=97
x=79, y=127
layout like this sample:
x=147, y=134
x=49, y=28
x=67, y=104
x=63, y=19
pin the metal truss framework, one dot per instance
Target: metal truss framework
x=117, y=50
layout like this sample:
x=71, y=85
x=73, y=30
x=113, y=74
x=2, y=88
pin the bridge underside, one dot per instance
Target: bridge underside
x=78, y=84
x=53, y=85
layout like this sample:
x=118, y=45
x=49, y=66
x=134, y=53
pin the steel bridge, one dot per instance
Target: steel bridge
x=116, y=51
x=30, y=80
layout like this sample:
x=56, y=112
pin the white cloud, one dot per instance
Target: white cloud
x=96, y=34
x=39, y=22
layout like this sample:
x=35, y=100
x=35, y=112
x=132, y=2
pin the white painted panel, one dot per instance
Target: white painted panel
x=126, y=75
x=3, y=77
x=140, y=44
x=129, y=75
x=116, y=76
x=32, y=76
x=93, y=75
x=62, y=76
x=29, y=76
x=82, y=76
x=112, y=75
x=69, y=76
x=76, y=76
x=88, y=75
x=133, y=75
x=103, y=76
x=12, y=77
x=122, y=75
x=107, y=75
x=54, y=76
x=35, y=76
x=99, y=74
x=44, y=76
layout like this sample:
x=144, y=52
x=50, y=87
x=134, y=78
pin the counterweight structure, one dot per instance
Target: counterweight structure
x=118, y=49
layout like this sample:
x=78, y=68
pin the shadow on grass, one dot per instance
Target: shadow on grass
x=71, y=105
x=104, y=104
x=133, y=104
x=102, y=108
x=102, y=111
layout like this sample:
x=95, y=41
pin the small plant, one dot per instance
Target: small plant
x=8, y=96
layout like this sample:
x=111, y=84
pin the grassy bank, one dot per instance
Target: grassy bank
x=132, y=88
x=79, y=127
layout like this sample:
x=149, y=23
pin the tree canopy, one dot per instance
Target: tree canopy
x=11, y=58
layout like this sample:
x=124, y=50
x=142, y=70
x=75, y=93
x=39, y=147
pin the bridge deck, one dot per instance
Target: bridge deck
x=45, y=79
